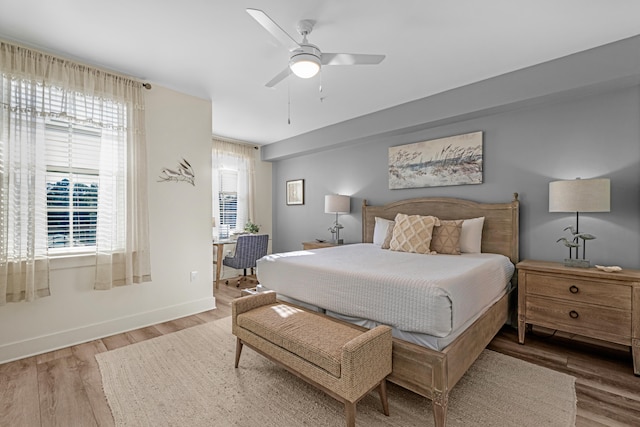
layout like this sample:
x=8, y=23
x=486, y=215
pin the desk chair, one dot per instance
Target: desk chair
x=249, y=249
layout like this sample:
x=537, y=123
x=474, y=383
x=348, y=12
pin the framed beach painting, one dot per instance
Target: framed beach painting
x=454, y=160
x=295, y=192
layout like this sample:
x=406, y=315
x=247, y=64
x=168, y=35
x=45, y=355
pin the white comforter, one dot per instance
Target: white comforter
x=431, y=294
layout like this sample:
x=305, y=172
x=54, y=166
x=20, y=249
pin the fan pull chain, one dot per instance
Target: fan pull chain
x=320, y=87
x=289, y=101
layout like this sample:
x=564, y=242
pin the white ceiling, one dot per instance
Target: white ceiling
x=214, y=50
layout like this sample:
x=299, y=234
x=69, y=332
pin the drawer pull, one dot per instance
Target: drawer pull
x=573, y=314
x=573, y=289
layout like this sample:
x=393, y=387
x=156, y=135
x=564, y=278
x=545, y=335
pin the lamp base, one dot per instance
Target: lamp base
x=579, y=263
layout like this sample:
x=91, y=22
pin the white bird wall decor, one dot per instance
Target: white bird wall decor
x=184, y=172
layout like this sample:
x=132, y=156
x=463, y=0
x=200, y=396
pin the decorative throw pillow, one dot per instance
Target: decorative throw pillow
x=380, y=230
x=446, y=237
x=387, y=239
x=412, y=233
x=471, y=236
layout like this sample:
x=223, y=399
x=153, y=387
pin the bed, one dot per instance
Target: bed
x=430, y=369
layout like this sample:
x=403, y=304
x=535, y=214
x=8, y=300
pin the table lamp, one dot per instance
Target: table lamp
x=579, y=195
x=337, y=204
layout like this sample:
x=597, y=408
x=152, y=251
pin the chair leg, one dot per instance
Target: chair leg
x=242, y=279
x=238, y=350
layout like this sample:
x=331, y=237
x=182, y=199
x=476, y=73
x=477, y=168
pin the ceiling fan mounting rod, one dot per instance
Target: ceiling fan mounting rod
x=305, y=27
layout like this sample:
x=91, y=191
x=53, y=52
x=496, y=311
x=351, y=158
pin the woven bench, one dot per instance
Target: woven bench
x=343, y=361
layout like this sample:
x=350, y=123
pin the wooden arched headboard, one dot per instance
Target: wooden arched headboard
x=500, y=233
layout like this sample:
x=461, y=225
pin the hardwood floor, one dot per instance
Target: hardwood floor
x=66, y=384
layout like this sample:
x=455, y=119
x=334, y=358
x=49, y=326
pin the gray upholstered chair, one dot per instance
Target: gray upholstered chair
x=249, y=249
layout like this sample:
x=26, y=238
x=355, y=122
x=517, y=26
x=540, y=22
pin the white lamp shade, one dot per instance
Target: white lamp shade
x=580, y=195
x=337, y=204
x=305, y=65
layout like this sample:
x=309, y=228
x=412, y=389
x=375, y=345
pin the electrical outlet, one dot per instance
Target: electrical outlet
x=194, y=276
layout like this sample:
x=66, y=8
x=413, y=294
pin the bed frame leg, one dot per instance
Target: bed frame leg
x=238, y=350
x=440, y=402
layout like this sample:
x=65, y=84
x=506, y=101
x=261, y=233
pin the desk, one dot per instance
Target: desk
x=220, y=249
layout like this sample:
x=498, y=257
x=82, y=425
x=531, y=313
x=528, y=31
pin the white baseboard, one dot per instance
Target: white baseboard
x=45, y=343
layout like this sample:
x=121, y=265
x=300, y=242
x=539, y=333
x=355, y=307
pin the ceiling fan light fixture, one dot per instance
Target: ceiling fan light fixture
x=305, y=65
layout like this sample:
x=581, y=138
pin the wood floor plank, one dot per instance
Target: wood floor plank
x=144, y=334
x=92, y=380
x=178, y=324
x=534, y=352
x=618, y=390
x=605, y=410
x=53, y=355
x=614, y=372
x=119, y=340
x=63, y=398
x=19, y=393
x=211, y=315
x=586, y=418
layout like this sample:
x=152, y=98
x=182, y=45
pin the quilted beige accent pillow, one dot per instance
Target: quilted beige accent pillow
x=386, y=244
x=446, y=237
x=412, y=233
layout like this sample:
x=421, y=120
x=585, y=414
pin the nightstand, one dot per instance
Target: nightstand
x=317, y=245
x=583, y=301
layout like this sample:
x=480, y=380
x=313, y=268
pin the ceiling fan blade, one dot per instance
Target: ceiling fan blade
x=350, y=59
x=279, y=77
x=274, y=29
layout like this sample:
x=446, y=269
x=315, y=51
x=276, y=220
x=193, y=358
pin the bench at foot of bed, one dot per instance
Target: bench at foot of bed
x=343, y=361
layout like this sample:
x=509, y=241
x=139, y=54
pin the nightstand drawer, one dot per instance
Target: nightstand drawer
x=598, y=322
x=576, y=289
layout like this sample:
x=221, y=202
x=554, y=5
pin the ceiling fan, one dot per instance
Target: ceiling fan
x=306, y=58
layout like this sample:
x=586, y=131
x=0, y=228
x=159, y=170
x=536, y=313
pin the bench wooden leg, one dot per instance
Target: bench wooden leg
x=350, y=413
x=382, y=391
x=238, y=350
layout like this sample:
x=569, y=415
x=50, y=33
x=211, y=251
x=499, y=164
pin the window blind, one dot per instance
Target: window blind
x=228, y=198
x=72, y=159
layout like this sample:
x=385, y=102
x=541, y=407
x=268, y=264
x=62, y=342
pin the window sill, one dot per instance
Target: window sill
x=66, y=261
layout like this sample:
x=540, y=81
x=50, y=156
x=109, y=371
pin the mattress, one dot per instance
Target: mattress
x=414, y=293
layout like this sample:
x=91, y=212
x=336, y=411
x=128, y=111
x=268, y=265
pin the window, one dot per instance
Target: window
x=73, y=172
x=228, y=202
x=73, y=147
x=72, y=179
x=232, y=183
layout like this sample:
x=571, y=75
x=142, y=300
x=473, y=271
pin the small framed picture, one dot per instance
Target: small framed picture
x=295, y=192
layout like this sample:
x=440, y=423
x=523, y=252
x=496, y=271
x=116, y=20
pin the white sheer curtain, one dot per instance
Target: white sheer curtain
x=24, y=265
x=240, y=158
x=122, y=237
x=36, y=86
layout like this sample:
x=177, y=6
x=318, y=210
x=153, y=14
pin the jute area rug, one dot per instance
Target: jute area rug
x=187, y=378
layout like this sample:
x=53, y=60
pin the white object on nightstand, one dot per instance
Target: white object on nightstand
x=609, y=269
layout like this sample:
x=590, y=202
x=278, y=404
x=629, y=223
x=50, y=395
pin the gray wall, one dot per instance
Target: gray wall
x=587, y=136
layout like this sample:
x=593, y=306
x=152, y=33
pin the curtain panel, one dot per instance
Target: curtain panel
x=37, y=87
x=241, y=158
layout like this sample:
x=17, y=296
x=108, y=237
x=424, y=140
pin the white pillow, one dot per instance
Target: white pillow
x=380, y=230
x=471, y=235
